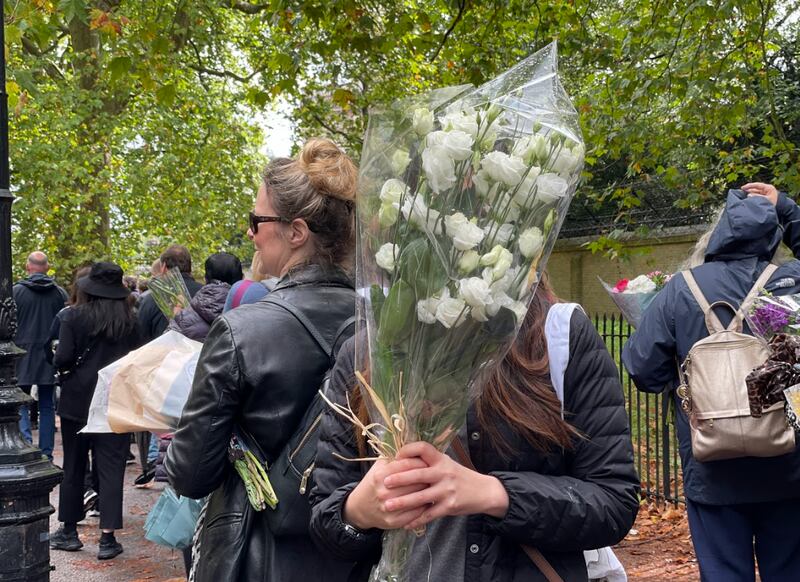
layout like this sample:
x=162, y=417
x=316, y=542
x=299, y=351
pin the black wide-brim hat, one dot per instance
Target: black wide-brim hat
x=104, y=280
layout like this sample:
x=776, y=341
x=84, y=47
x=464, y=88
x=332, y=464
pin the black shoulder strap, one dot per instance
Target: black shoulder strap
x=311, y=328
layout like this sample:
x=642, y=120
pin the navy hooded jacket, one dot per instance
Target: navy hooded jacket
x=740, y=248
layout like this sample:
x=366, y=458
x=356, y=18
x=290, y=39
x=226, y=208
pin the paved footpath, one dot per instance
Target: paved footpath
x=142, y=561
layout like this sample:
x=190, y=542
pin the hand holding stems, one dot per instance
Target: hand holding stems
x=440, y=486
x=761, y=189
x=366, y=506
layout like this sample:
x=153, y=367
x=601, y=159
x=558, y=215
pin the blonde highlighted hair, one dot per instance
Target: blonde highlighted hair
x=318, y=186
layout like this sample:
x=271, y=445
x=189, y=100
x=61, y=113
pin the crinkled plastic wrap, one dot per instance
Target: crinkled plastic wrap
x=462, y=193
x=631, y=305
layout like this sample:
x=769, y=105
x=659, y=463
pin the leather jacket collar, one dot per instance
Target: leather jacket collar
x=313, y=273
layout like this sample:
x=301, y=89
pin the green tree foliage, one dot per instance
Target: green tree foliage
x=133, y=120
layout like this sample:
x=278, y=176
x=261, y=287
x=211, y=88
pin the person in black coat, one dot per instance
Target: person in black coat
x=38, y=300
x=93, y=334
x=260, y=369
x=153, y=323
x=222, y=271
x=731, y=503
x=560, y=486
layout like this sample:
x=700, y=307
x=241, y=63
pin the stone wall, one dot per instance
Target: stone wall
x=574, y=270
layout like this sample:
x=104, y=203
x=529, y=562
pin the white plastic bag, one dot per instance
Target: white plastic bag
x=147, y=389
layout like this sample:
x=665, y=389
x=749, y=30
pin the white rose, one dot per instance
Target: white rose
x=387, y=215
x=477, y=294
x=422, y=121
x=386, y=256
x=551, y=188
x=461, y=121
x=502, y=300
x=451, y=312
x=500, y=259
x=531, y=242
x=531, y=148
x=439, y=168
x=503, y=284
x=641, y=284
x=565, y=163
x=578, y=151
x=400, y=161
x=525, y=195
x=475, y=291
x=465, y=235
x=418, y=213
x=426, y=308
x=503, y=168
x=469, y=262
x=393, y=190
x=457, y=144
x=499, y=234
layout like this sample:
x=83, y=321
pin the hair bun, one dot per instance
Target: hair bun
x=330, y=171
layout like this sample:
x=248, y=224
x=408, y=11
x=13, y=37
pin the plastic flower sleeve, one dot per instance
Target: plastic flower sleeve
x=631, y=305
x=462, y=193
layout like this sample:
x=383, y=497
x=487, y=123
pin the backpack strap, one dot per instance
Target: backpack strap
x=713, y=323
x=556, y=331
x=329, y=349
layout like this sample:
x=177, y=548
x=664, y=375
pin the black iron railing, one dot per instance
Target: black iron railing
x=650, y=417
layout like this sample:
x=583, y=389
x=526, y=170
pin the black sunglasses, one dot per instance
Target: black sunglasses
x=255, y=220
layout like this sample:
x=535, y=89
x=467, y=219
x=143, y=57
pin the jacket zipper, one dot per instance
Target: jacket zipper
x=304, y=480
x=306, y=436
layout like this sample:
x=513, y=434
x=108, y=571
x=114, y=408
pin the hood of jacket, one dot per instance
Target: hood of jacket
x=748, y=228
x=209, y=301
x=38, y=282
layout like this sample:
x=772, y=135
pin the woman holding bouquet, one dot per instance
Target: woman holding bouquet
x=260, y=367
x=559, y=483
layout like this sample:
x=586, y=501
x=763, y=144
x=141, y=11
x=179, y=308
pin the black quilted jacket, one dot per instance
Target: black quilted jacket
x=560, y=503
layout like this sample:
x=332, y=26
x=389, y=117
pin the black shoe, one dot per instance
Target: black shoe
x=130, y=458
x=146, y=476
x=109, y=550
x=89, y=500
x=69, y=542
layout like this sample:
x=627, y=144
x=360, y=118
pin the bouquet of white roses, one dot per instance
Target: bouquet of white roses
x=461, y=196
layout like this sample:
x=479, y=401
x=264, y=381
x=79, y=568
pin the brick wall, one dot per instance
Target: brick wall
x=574, y=270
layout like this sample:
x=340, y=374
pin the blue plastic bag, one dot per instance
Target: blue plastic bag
x=172, y=520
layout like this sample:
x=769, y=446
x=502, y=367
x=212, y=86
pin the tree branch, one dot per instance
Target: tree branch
x=200, y=68
x=461, y=7
x=331, y=129
x=245, y=7
x=31, y=47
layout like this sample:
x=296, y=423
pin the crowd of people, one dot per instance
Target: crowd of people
x=550, y=473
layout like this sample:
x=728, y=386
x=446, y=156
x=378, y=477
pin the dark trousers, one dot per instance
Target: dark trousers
x=725, y=538
x=110, y=453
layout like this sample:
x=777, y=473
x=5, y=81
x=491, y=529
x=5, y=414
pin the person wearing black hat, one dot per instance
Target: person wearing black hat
x=99, y=330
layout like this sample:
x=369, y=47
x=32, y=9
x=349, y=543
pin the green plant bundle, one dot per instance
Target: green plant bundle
x=170, y=292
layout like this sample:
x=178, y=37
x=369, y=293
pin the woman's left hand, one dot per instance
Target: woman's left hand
x=452, y=489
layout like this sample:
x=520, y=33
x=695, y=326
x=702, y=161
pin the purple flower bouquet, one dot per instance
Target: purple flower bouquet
x=770, y=315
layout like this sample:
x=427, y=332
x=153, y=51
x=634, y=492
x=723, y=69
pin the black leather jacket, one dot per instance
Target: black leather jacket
x=259, y=369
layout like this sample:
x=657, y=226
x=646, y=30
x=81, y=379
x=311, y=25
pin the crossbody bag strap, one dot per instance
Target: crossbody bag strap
x=535, y=555
x=301, y=317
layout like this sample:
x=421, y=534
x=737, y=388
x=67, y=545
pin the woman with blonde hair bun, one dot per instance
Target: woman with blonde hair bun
x=262, y=365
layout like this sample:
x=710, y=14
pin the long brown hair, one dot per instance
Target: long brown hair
x=518, y=393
